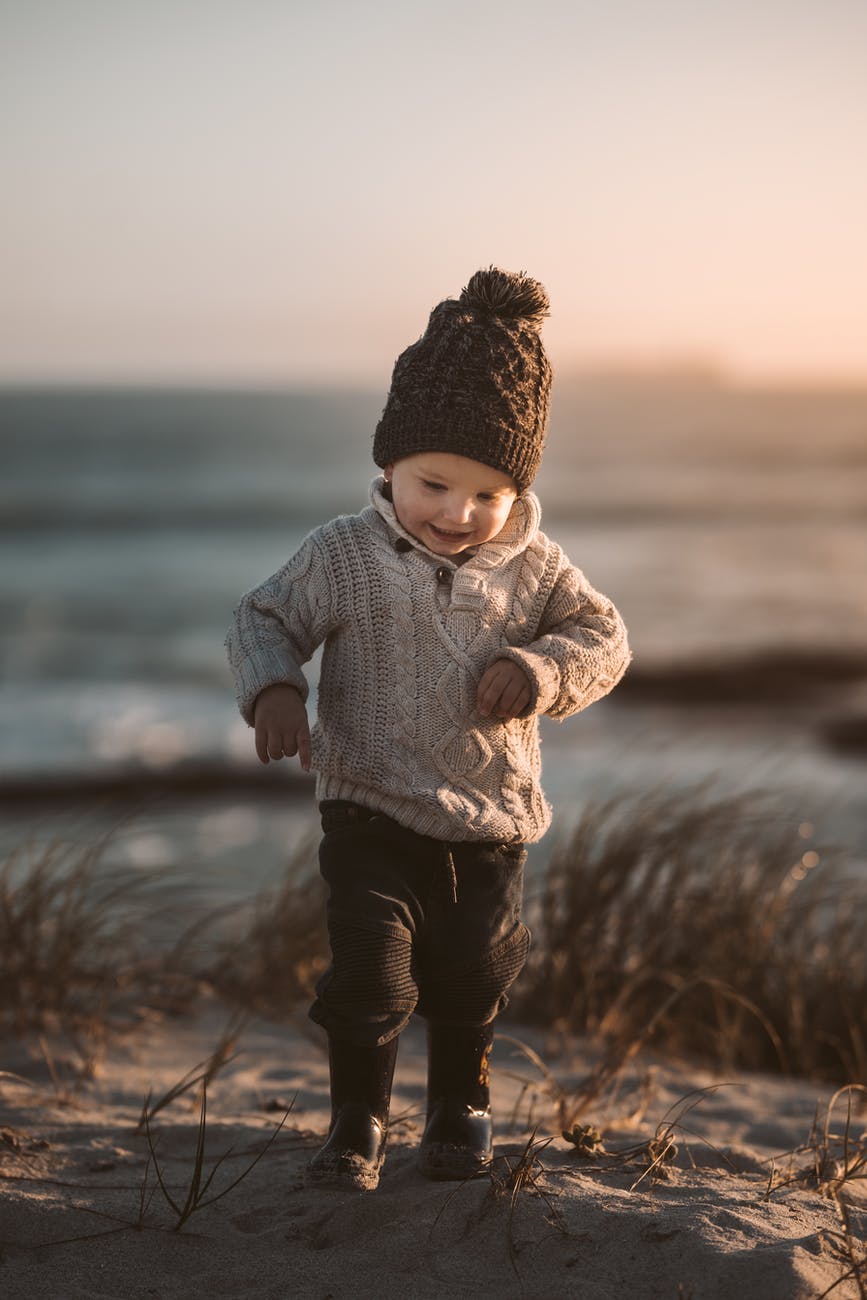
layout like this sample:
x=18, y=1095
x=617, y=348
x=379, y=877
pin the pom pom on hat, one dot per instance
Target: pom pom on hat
x=509, y=295
x=477, y=382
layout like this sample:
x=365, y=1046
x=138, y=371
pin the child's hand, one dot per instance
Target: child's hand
x=504, y=690
x=280, y=719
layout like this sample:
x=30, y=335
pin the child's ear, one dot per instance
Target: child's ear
x=387, y=471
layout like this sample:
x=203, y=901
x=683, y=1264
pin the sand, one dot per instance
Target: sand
x=76, y=1222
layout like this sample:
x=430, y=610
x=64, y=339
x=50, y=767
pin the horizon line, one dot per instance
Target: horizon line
x=686, y=374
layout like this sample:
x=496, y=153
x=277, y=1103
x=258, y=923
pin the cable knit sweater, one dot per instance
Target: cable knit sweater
x=407, y=635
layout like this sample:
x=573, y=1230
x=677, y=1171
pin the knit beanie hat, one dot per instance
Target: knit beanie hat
x=477, y=382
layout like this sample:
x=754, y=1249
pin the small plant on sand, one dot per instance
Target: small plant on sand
x=660, y=1150
x=850, y=1244
x=831, y=1161
x=834, y=1163
x=195, y=1197
x=654, y=1153
x=199, y=1190
x=509, y=1178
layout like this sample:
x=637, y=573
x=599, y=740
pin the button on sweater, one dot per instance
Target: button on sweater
x=406, y=636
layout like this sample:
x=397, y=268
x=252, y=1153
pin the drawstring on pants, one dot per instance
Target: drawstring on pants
x=451, y=874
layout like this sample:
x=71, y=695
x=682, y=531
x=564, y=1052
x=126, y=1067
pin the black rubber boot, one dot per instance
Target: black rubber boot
x=360, y=1095
x=458, y=1137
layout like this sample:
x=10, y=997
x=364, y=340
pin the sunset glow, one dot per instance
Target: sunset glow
x=280, y=192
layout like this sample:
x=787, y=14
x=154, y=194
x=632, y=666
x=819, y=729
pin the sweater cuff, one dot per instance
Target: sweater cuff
x=544, y=677
x=266, y=668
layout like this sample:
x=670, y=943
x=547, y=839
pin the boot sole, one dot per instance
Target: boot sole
x=343, y=1174
x=446, y=1164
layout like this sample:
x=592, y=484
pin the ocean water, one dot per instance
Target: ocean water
x=728, y=525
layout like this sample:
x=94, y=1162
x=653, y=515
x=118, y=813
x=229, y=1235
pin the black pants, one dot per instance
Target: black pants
x=415, y=924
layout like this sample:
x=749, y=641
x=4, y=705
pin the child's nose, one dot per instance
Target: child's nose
x=459, y=510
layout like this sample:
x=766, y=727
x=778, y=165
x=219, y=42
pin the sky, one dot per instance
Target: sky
x=203, y=191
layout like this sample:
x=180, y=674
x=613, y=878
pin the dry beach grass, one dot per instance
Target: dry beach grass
x=710, y=927
x=667, y=929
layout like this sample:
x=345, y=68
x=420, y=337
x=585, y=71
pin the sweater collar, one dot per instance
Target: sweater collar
x=515, y=536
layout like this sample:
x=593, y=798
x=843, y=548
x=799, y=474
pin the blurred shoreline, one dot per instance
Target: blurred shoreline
x=726, y=521
x=807, y=689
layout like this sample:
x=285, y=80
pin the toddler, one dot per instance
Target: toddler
x=450, y=622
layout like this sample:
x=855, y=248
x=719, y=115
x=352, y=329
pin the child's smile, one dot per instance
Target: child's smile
x=449, y=502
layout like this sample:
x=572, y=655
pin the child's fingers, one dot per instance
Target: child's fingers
x=282, y=730
x=277, y=744
x=296, y=741
x=262, y=743
x=491, y=685
x=503, y=690
x=514, y=698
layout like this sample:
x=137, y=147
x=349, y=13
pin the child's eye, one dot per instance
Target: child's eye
x=436, y=487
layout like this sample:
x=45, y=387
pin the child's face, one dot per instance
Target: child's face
x=449, y=502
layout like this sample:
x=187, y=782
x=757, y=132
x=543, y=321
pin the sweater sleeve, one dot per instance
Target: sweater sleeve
x=278, y=625
x=580, y=652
